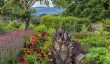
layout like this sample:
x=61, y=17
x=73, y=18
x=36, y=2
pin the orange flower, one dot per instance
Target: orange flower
x=35, y=53
x=33, y=39
x=36, y=39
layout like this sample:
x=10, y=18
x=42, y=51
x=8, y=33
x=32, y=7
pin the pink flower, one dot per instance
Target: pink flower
x=21, y=59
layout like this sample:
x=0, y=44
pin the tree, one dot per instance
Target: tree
x=20, y=9
x=62, y=3
x=95, y=10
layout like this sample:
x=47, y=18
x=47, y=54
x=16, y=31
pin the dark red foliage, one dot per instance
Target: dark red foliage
x=61, y=37
x=77, y=48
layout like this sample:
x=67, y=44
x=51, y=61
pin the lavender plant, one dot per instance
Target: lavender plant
x=10, y=45
x=65, y=50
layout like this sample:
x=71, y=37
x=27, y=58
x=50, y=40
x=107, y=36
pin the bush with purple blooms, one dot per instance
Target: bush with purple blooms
x=10, y=45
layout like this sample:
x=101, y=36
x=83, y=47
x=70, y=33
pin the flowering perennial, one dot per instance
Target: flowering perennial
x=33, y=47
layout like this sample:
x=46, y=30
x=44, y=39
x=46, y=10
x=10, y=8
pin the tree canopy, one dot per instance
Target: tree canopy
x=95, y=10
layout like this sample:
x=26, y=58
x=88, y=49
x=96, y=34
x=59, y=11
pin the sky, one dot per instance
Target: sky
x=38, y=4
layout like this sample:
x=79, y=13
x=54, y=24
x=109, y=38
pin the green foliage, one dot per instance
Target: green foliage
x=92, y=40
x=101, y=28
x=9, y=27
x=14, y=23
x=30, y=58
x=2, y=27
x=21, y=26
x=107, y=24
x=31, y=26
x=84, y=28
x=68, y=23
x=45, y=29
x=95, y=10
x=51, y=30
x=98, y=55
x=41, y=28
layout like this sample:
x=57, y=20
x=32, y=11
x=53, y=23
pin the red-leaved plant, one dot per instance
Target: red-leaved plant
x=65, y=50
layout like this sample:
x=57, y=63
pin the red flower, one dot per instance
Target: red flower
x=43, y=33
x=36, y=39
x=33, y=39
x=21, y=59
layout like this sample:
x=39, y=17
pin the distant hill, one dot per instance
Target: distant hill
x=47, y=10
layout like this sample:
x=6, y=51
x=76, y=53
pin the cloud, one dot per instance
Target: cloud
x=38, y=4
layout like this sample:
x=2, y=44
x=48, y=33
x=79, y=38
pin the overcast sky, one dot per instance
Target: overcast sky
x=37, y=4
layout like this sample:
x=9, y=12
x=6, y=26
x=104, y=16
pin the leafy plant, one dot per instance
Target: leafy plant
x=64, y=50
x=14, y=24
x=2, y=27
x=84, y=28
x=93, y=39
x=98, y=55
x=21, y=26
x=41, y=28
x=31, y=26
x=44, y=28
x=32, y=51
x=107, y=24
x=9, y=28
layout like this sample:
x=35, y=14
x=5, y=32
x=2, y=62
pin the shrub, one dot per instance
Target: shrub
x=51, y=30
x=84, y=28
x=9, y=28
x=41, y=28
x=98, y=55
x=2, y=28
x=21, y=26
x=31, y=26
x=69, y=23
x=107, y=24
x=32, y=51
x=93, y=40
x=10, y=44
x=45, y=28
x=14, y=23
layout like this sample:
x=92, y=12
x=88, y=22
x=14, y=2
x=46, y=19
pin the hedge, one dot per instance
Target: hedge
x=68, y=23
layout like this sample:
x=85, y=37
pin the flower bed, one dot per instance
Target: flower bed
x=32, y=53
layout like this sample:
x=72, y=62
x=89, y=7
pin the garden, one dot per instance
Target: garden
x=78, y=35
